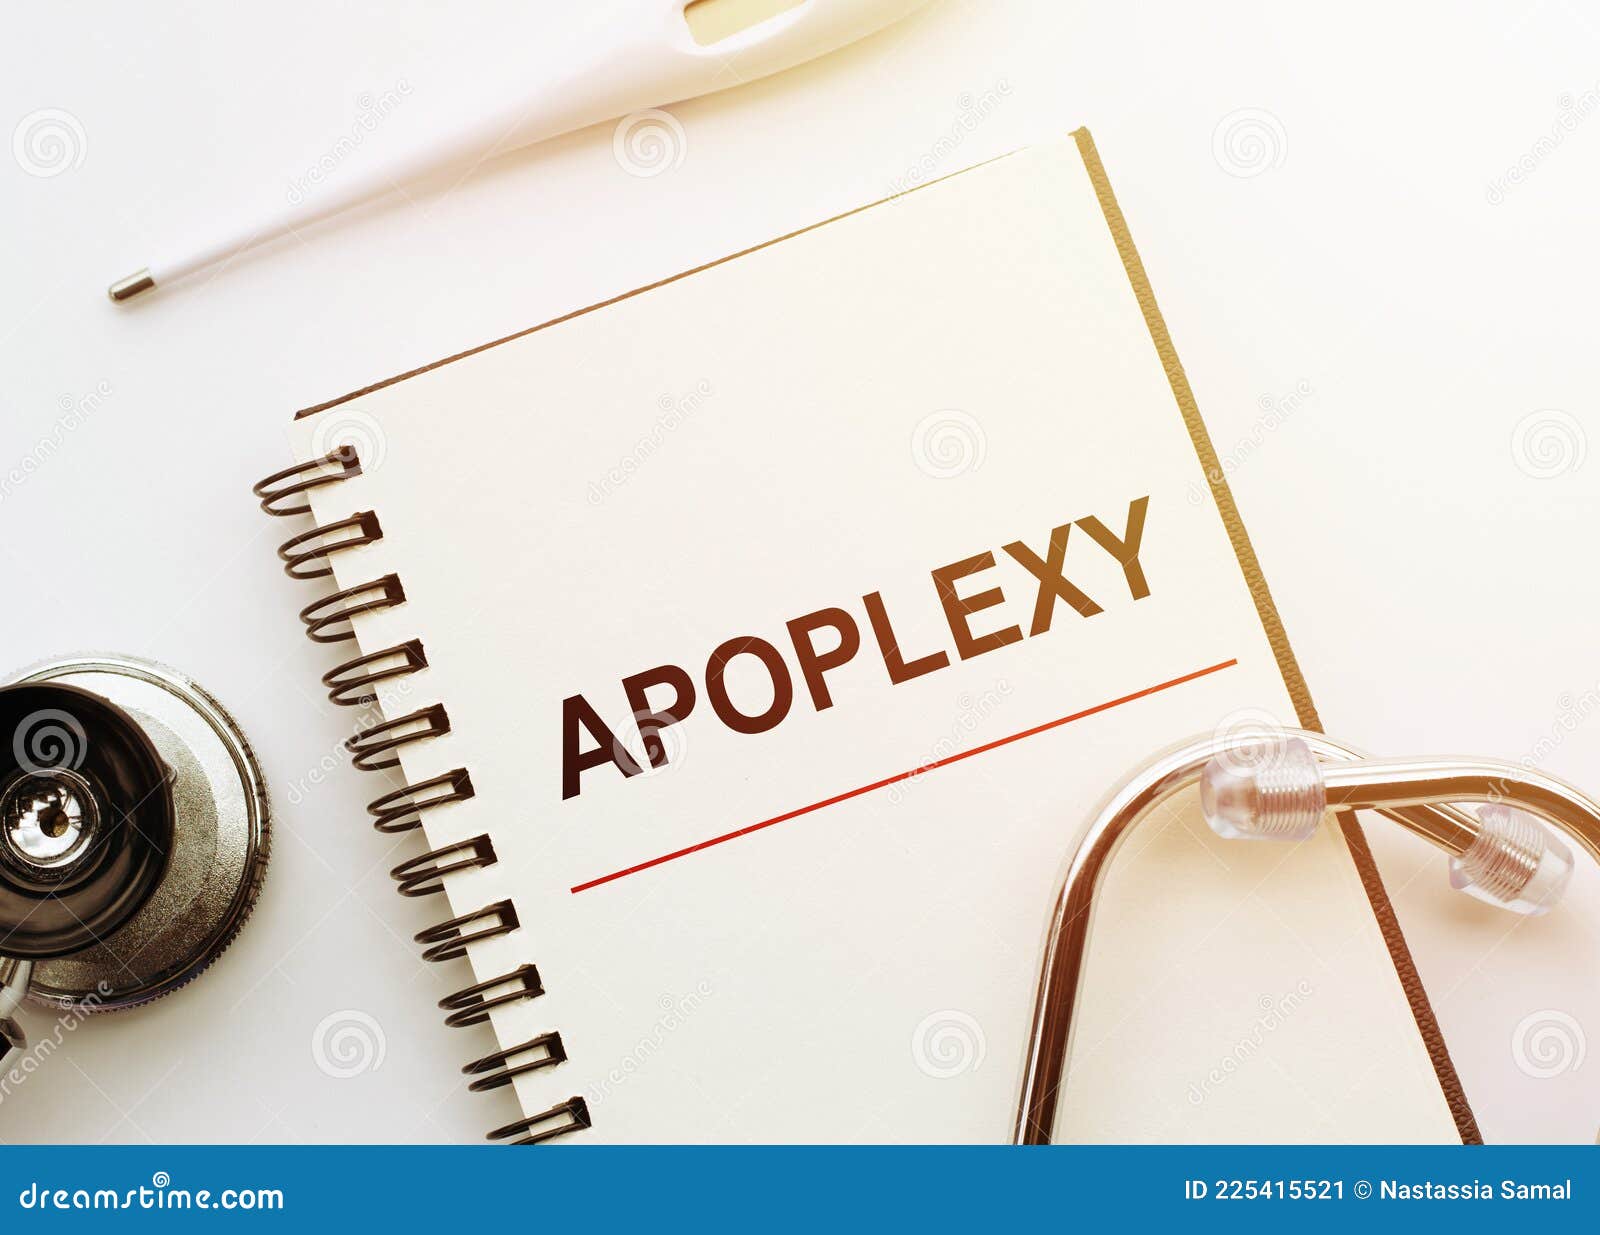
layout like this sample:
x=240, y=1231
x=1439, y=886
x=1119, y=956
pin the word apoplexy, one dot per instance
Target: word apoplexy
x=821, y=641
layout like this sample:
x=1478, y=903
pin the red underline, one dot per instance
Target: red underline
x=900, y=776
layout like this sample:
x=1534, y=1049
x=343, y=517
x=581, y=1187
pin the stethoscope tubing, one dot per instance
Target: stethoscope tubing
x=1421, y=795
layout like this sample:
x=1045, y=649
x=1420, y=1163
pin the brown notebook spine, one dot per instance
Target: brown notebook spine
x=375, y=748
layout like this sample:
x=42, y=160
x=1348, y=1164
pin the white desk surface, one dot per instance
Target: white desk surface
x=1422, y=508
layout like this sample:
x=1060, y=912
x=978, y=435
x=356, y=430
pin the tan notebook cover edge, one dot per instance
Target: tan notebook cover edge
x=1305, y=709
x=1255, y=580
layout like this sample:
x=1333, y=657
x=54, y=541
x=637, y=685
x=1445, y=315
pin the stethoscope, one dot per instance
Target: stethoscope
x=134, y=834
x=1278, y=787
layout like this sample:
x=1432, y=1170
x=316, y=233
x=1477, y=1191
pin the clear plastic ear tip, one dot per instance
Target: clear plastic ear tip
x=1514, y=862
x=1268, y=790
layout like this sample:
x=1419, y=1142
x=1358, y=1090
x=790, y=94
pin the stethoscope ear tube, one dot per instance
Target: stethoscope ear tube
x=1280, y=788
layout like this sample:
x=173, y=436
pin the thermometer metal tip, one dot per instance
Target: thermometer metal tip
x=128, y=288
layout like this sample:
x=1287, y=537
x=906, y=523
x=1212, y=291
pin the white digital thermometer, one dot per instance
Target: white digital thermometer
x=678, y=49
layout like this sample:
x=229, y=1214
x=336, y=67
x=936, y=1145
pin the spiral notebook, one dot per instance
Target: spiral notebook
x=746, y=652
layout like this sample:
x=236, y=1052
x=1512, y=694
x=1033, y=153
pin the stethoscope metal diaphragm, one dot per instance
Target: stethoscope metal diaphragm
x=134, y=830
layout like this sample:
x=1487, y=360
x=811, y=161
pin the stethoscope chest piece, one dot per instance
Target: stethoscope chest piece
x=133, y=833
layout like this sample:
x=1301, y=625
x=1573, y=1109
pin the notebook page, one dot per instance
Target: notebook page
x=869, y=431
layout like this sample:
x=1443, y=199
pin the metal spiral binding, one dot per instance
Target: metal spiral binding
x=349, y=683
x=305, y=556
x=498, y=1067
x=421, y=875
x=560, y=1119
x=471, y=1004
x=369, y=748
x=352, y=683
